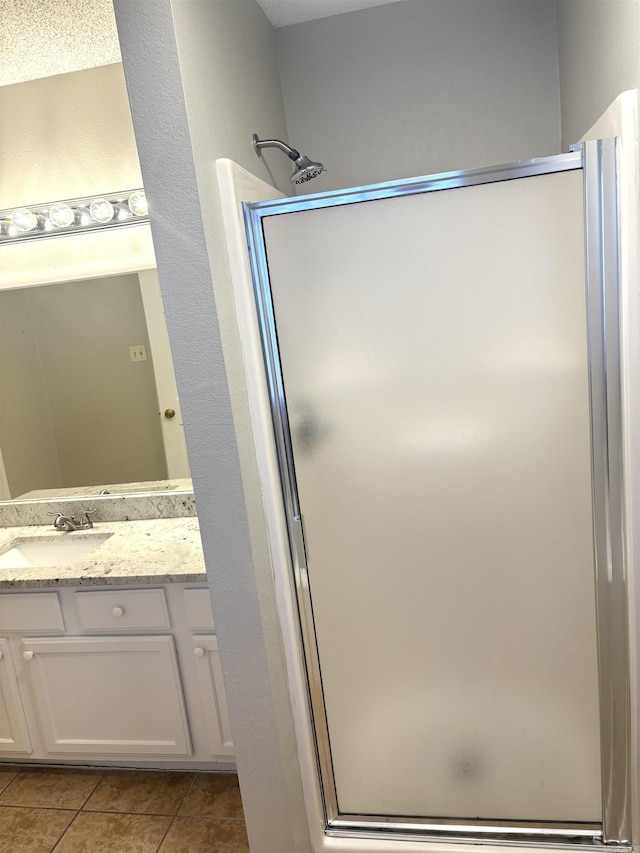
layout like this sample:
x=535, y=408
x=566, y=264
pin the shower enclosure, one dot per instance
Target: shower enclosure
x=442, y=362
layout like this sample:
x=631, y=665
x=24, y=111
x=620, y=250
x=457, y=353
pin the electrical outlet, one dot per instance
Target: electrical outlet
x=138, y=353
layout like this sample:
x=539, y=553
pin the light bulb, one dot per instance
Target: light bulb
x=23, y=220
x=138, y=203
x=61, y=215
x=101, y=210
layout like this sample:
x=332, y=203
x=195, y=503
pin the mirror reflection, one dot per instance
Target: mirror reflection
x=88, y=400
x=77, y=414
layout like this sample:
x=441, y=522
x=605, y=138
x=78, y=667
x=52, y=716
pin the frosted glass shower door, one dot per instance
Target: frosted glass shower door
x=433, y=350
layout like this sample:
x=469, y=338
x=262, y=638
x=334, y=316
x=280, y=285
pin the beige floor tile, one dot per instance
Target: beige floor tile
x=140, y=792
x=63, y=789
x=200, y=834
x=31, y=830
x=213, y=795
x=94, y=832
x=6, y=775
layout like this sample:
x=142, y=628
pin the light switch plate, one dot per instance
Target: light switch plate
x=138, y=352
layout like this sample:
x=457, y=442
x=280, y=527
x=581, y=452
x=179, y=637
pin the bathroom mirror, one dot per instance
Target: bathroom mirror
x=88, y=399
x=86, y=374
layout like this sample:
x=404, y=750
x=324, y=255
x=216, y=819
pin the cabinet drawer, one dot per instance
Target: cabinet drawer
x=197, y=603
x=124, y=610
x=30, y=611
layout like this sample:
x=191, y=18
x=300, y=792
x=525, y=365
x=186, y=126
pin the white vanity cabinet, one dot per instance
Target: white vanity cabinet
x=108, y=695
x=126, y=679
x=205, y=650
x=207, y=661
x=19, y=613
x=14, y=733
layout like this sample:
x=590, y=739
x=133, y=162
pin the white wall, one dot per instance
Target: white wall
x=599, y=54
x=421, y=87
x=66, y=136
x=62, y=137
x=227, y=51
x=27, y=436
x=202, y=76
x=103, y=406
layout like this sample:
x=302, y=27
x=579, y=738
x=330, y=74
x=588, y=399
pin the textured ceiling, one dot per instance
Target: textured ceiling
x=39, y=38
x=281, y=13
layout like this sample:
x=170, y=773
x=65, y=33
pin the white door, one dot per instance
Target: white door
x=5, y=494
x=112, y=696
x=175, y=446
x=432, y=349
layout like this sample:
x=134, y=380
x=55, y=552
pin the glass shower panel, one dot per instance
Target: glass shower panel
x=434, y=357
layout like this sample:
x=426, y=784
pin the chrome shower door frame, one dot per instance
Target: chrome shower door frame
x=598, y=161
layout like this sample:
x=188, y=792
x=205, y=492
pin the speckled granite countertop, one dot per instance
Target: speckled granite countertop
x=162, y=550
x=146, y=487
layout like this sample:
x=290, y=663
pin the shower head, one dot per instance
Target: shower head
x=305, y=169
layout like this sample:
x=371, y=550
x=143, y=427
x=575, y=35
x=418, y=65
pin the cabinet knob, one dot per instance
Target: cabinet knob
x=118, y=611
x=199, y=653
x=27, y=655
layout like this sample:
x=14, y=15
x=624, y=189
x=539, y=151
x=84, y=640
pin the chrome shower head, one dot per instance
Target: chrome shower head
x=305, y=169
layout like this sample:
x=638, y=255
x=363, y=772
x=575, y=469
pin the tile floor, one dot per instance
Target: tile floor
x=119, y=811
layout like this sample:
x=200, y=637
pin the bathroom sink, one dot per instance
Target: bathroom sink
x=28, y=553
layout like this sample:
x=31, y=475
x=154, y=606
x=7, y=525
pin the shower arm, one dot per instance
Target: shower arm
x=258, y=144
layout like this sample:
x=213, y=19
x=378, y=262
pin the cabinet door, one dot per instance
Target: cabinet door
x=207, y=659
x=14, y=734
x=109, y=696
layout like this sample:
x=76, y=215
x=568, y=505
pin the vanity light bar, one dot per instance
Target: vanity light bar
x=73, y=216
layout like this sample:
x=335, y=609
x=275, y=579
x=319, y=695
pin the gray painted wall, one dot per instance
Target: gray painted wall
x=233, y=43
x=422, y=87
x=176, y=57
x=103, y=406
x=75, y=410
x=26, y=428
x=599, y=51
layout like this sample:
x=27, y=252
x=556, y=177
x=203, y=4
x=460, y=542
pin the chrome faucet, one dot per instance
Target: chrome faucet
x=66, y=525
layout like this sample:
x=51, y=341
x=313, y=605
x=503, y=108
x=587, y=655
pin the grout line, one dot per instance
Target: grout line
x=70, y=824
x=175, y=814
x=166, y=832
x=128, y=811
x=38, y=808
x=4, y=787
x=186, y=793
x=211, y=817
x=92, y=791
